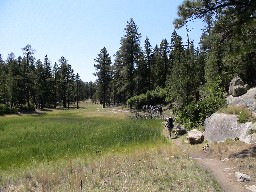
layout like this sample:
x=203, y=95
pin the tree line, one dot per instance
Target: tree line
x=27, y=83
x=193, y=80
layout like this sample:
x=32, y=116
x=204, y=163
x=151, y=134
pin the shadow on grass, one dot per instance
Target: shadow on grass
x=38, y=112
x=71, y=107
x=250, y=152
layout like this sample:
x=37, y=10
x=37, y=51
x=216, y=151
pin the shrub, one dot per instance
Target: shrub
x=4, y=110
x=194, y=114
x=27, y=108
x=153, y=97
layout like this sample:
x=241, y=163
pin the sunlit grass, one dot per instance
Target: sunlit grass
x=93, y=149
x=64, y=134
x=159, y=168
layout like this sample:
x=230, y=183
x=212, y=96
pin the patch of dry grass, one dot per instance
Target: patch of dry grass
x=243, y=113
x=240, y=156
x=162, y=168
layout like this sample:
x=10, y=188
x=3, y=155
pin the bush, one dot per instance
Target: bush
x=27, y=108
x=153, y=97
x=194, y=114
x=2, y=109
x=5, y=110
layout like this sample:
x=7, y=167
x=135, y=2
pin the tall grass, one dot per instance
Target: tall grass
x=160, y=168
x=66, y=134
x=93, y=149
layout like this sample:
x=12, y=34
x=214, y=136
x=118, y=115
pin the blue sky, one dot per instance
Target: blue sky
x=79, y=29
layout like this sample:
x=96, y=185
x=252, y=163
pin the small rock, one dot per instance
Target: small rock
x=227, y=169
x=226, y=159
x=241, y=177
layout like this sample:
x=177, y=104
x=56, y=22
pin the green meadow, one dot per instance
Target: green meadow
x=93, y=149
x=66, y=134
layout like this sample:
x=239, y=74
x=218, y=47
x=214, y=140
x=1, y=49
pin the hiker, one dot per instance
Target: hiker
x=170, y=125
x=160, y=109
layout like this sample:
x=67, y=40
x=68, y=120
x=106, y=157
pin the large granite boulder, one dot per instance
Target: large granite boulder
x=220, y=126
x=195, y=137
x=237, y=87
x=247, y=100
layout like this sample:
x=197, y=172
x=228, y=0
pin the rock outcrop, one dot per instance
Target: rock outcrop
x=237, y=87
x=220, y=127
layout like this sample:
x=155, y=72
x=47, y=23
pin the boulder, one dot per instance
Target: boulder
x=237, y=87
x=195, y=137
x=246, y=100
x=220, y=127
x=180, y=130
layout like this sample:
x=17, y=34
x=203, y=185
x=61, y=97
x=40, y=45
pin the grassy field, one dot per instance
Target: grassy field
x=92, y=149
x=67, y=134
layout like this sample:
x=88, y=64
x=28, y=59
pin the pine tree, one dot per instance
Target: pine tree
x=3, y=82
x=229, y=37
x=130, y=52
x=40, y=81
x=15, y=88
x=104, y=74
x=28, y=70
x=78, y=89
x=162, y=67
x=118, y=83
x=148, y=55
x=177, y=81
x=156, y=57
x=142, y=76
x=56, y=76
x=63, y=81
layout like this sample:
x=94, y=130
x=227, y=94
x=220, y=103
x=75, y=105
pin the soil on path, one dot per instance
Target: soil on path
x=222, y=169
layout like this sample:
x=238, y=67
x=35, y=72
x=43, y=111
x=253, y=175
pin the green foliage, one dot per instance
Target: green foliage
x=27, y=108
x=25, y=83
x=5, y=110
x=161, y=66
x=154, y=97
x=195, y=113
x=229, y=38
x=236, y=12
x=244, y=116
x=127, y=58
x=104, y=74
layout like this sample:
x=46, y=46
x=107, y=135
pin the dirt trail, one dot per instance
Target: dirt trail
x=221, y=170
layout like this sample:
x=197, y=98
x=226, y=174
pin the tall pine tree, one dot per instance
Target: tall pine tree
x=104, y=74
